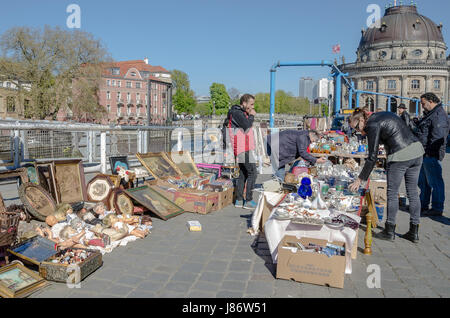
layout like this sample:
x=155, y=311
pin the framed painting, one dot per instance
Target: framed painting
x=45, y=173
x=121, y=202
x=155, y=202
x=99, y=188
x=69, y=175
x=184, y=162
x=120, y=161
x=36, y=200
x=17, y=281
x=159, y=165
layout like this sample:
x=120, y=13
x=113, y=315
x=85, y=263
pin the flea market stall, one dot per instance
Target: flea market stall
x=311, y=222
x=78, y=222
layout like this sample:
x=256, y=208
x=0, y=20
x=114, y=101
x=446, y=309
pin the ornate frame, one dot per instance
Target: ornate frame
x=104, y=196
x=45, y=201
x=120, y=194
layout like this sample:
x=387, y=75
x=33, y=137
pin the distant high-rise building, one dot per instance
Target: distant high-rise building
x=323, y=87
x=306, y=88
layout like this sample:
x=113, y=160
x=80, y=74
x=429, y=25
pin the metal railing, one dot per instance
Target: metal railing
x=24, y=141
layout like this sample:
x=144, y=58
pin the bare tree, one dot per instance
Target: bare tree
x=61, y=69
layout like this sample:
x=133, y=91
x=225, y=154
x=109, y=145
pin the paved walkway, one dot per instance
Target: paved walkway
x=224, y=261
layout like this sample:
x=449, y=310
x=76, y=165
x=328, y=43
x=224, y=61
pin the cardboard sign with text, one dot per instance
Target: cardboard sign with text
x=307, y=267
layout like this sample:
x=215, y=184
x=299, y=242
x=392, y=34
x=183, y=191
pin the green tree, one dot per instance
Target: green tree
x=184, y=98
x=58, y=69
x=203, y=109
x=220, y=99
x=184, y=102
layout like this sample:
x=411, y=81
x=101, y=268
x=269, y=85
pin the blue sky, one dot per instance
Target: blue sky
x=233, y=42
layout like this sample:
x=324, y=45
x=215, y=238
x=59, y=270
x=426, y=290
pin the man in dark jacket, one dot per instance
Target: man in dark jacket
x=289, y=145
x=238, y=133
x=432, y=131
x=404, y=115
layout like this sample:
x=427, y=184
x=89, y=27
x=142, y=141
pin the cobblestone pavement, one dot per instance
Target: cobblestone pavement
x=224, y=261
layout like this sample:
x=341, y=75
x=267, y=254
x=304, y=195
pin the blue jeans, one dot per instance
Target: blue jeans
x=431, y=184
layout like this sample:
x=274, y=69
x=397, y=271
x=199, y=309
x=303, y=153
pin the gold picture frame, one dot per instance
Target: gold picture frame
x=69, y=175
x=17, y=281
x=159, y=165
x=155, y=202
x=184, y=162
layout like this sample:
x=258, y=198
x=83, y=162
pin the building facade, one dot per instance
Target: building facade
x=405, y=56
x=126, y=89
x=13, y=103
x=306, y=88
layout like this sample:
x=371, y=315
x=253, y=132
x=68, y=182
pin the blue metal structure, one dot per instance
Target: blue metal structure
x=336, y=73
x=339, y=78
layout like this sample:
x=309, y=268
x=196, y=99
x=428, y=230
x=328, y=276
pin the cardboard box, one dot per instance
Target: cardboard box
x=378, y=188
x=225, y=198
x=190, y=200
x=309, y=267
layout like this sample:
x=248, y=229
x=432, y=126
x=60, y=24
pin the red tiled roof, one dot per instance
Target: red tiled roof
x=125, y=66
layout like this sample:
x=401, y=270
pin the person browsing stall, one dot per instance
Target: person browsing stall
x=289, y=145
x=404, y=160
x=432, y=131
x=238, y=132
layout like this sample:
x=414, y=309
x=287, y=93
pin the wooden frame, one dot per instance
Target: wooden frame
x=36, y=200
x=114, y=160
x=18, y=173
x=155, y=202
x=187, y=166
x=99, y=189
x=48, y=182
x=13, y=274
x=159, y=165
x=70, y=181
x=121, y=202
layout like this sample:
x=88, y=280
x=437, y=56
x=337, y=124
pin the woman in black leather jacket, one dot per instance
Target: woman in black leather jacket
x=405, y=155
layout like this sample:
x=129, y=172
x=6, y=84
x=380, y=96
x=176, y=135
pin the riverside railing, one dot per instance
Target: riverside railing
x=25, y=141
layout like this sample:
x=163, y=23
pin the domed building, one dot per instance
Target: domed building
x=405, y=56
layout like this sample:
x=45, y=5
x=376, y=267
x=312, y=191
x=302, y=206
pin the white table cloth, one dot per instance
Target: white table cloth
x=275, y=230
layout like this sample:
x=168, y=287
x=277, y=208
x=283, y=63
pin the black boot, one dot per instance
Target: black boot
x=413, y=234
x=388, y=234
